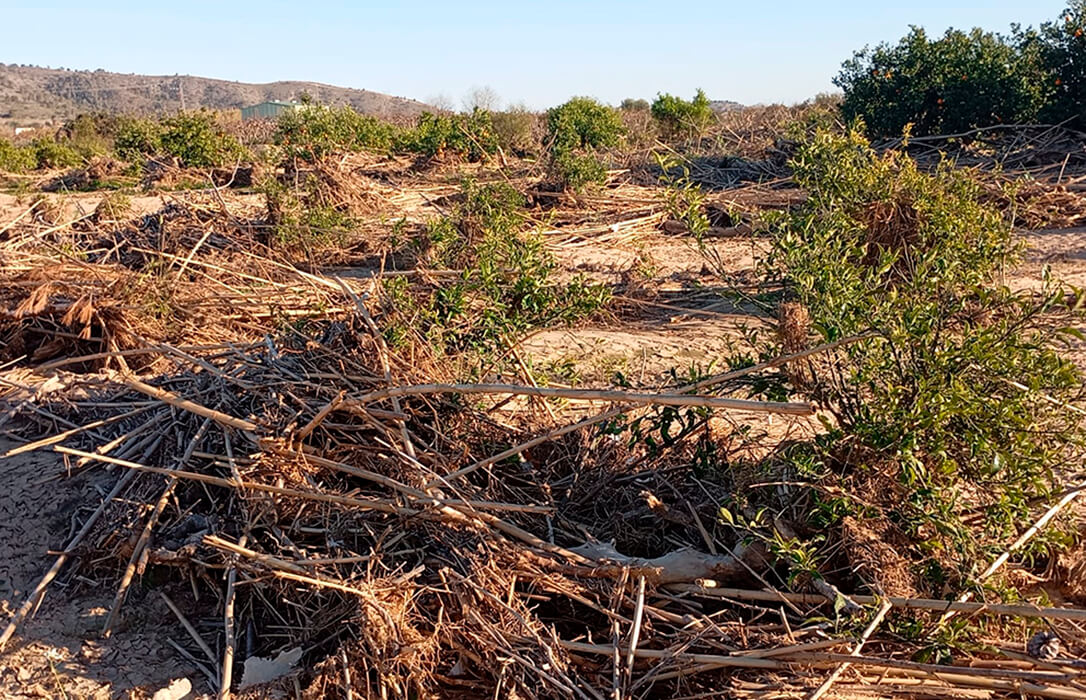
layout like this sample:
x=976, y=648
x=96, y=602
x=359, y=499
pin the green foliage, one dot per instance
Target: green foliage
x=90, y=135
x=947, y=85
x=574, y=130
x=478, y=139
x=50, y=153
x=469, y=135
x=578, y=171
x=136, y=138
x=197, y=140
x=583, y=123
x=677, y=116
x=956, y=389
x=1061, y=46
x=194, y=138
x=15, y=159
x=685, y=200
x=41, y=153
x=505, y=286
x=799, y=556
x=631, y=104
x=431, y=134
x=311, y=132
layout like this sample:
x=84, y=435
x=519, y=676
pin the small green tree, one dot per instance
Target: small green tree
x=574, y=131
x=948, y=85
x=577, y=170
x=89, y=134
x=469, y=135
x=15, y=159
x=507, y=279
x=197, y=140
x=136, y=138
x=313, y=131
x=50, y=153
x=583, y=123
x=677, y=116
x=954, y=390
x=1062, y=51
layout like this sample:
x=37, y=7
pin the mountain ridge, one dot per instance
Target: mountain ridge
x=34, y=95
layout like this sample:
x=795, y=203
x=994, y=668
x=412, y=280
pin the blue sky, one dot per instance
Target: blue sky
x=539, y=53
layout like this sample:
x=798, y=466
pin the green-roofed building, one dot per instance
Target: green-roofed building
x=267, y=110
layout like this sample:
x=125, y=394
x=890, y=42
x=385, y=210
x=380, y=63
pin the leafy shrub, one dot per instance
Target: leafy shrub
x=1061, y=46
x=955, y=391
x=506, y=285
x=15, y=159
x=947, y=85
x=50, y=153
x=677, y=116
x=313, y=131
x=469, y=135
x=577, y=171
x=431, y=134
x=487, y=210
x=477, y=139
x=685, y=199
x=90, y=134
x=135, y=138
x=574, y=130
x=583, y=123
x=631, y=104
x=43, y=152
x=197, y=140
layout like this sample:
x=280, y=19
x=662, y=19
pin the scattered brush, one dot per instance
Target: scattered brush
x=1038, y=205
x=340, y=473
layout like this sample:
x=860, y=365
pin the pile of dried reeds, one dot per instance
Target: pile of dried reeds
x=185, y=274
x=1040, y=150
x=1032, y=172
x=1038, y=205
x=317, y=497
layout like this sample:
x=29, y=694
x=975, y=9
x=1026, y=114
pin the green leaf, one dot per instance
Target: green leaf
x=1072, y=331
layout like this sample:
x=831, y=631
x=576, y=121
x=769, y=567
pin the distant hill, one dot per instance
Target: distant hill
x=31, y=96
x=725, y=105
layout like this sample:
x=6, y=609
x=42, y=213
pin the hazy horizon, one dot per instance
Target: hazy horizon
x=538, y=54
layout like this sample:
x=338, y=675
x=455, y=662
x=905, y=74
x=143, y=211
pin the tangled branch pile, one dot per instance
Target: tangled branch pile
x=320, y=511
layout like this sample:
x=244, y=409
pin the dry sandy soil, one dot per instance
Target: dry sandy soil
x=60, y=652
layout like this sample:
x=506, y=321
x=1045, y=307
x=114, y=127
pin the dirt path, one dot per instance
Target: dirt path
x=71, y=206
x=658, y=339
x=1062, y=253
